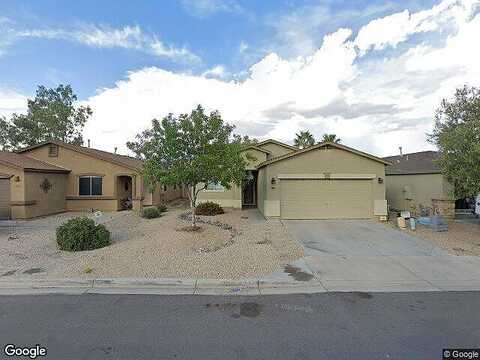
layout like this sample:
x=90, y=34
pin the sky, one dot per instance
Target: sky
x=372, y=72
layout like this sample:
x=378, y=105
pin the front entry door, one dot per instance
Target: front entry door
x=249, y=192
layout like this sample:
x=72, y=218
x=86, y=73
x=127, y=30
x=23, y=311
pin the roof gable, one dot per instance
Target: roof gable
x=321, y=145
x=117, y=159
x=272, y=141
x=26, y=163
x=256, y=148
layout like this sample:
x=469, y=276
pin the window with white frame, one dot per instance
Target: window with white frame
x=90, y=185
x=215, y=186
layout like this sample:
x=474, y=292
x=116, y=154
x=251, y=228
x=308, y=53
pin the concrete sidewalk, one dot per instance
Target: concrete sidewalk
x=313, y=274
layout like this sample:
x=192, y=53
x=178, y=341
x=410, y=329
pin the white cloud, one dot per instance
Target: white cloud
x=11, y=102
x=396, y=28
x=128, y=37
x=242, y=47
x=301, y=30
x=374, y=100
x=375, y=104
x=203, y=8
x=217, y=71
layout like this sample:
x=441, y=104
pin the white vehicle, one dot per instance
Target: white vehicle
x=477, y=205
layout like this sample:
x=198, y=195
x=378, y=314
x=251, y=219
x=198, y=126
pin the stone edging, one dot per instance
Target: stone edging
x=187, y=217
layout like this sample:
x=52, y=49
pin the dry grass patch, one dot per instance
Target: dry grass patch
x=460, y=239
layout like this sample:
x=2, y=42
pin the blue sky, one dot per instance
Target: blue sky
x=236, y=55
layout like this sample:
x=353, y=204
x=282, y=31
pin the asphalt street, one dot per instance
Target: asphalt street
x=402, y=326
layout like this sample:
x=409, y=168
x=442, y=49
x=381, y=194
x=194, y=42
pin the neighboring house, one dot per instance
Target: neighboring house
x=415, y=182
x=324, y=181
x=30, y=188
x=92, y=180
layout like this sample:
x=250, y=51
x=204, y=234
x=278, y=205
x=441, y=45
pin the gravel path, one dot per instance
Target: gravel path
x=460, y=239
x=155, y=248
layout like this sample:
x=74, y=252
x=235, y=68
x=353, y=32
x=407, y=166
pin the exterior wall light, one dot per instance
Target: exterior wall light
x=380, y=180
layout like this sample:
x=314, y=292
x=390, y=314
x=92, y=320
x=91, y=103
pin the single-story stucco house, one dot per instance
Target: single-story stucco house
x=414, y=182
x=324, y=181
x=53, y=176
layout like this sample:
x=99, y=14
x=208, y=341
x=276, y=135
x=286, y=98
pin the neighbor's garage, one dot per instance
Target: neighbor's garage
x=326, y=199
x=4, y=197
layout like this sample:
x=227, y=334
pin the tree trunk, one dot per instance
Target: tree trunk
x=193, y=201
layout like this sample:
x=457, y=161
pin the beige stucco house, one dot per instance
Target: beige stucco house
x=325, y=181
x=414, y=182
x=74, y=178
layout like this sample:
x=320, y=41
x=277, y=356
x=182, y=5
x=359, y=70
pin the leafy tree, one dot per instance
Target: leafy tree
x=193, y=150
x=457, y=135
x=52, y=115
x=304, y=139
x=332, y=138
x=6, y=134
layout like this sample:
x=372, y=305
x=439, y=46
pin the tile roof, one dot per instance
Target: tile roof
x=118, y=159
x=415, y=163
x=27, y=163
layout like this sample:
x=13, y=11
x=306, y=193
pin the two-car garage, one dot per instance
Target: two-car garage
x=326, y=198
x=324, y=181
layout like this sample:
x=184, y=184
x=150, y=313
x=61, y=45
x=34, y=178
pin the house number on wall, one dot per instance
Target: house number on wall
x=45, y=185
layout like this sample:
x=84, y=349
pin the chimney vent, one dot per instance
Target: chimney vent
x=401, y=152
x=88, y=142
x=115, y=149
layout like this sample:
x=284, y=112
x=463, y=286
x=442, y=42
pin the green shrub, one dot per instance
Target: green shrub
x=209, y=209
x=150, y=212
x=162, y=208
x=82, y=233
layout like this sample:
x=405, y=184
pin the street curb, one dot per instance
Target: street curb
x=248, y=287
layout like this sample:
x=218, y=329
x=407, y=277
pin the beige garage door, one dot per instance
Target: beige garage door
x=4, y=199
x=326, y=199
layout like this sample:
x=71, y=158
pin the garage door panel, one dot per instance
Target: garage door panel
x=4, y=199
x=326, y=199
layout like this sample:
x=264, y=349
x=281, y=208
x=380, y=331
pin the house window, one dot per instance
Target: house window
x=90, y=185
x=164, y=187
x=215, y=187
x=53, y=150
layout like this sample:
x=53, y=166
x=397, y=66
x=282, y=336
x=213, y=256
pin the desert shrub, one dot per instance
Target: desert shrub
x=209, y=209
x=150, y=212
x=162, y=208
x=82, y=233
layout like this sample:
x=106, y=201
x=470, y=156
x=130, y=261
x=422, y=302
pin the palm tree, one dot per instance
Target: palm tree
x=332, y=138
x=304, y=139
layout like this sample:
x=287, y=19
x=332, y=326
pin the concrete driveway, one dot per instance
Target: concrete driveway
x=362, y=255
x=357, y=238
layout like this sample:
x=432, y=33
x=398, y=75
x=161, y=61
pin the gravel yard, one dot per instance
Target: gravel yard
x=460, y=239
x=246, y=247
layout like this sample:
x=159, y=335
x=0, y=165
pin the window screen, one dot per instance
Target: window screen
x=90, y=185
x=84, y=186
x=96, y=186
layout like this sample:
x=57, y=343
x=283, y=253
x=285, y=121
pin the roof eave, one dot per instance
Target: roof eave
x=320, y=145
x=58, y=143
